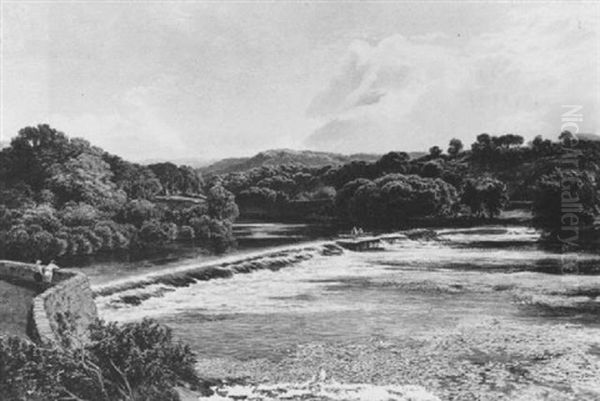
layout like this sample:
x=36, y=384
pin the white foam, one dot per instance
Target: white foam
x=321, y=391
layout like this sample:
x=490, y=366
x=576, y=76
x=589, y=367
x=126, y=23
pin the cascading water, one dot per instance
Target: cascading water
x=470, y=313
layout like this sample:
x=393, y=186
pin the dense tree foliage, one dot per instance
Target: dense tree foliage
x=177, y=180
x=484, y=196
x=565, y=205
x=390, y=201
x=455, y=147
x=62, y=197
x=133, y=362
x=493, y=171
x=67, y=197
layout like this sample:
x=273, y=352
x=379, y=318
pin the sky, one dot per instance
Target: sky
x=207, y=80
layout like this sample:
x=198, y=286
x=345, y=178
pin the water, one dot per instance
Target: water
x=249, y=236
x=476, y=315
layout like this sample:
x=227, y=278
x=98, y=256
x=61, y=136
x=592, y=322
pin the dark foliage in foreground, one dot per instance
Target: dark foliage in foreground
x=135, y=361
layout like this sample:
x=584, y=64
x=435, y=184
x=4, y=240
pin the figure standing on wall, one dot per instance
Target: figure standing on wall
x=49, y=272
x=39, y=274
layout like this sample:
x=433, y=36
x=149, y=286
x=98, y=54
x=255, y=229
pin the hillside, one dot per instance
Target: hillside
x=278, y=157
x=588, y=137
x=193, y=162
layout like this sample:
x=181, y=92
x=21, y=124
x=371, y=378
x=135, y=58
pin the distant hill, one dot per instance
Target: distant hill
x=278, y=157
x=187, y=161
x=588, y=137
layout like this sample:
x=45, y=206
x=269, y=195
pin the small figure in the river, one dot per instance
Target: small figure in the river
x=354, y=232
x=49, y=271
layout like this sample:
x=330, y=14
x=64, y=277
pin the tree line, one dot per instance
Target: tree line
x=460, y=182
x=62, y=197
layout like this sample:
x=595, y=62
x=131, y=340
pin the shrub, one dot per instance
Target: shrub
x=79, y=214
x=131, y=362
x=391, y=200
x=153, y=233
x=565, y=200
x=138, y=211
x=484, y=196
x=186, y=233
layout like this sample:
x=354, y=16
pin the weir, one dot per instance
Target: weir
x=133, y=290
x=361, y=244
x=273, y=258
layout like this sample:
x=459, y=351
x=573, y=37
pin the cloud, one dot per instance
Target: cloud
x=408, y=92
x=135, y=130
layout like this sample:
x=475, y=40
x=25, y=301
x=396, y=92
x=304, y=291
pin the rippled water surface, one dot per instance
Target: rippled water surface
x=479, y=314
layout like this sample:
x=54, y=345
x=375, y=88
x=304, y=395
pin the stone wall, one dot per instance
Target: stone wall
x=17, y=272
x=61, y=313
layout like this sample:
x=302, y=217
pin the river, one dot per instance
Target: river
x=478, y=314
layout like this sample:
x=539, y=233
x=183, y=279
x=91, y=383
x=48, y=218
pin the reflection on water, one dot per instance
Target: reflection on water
x=468, y=308
x=257, y=235
x=249, y=236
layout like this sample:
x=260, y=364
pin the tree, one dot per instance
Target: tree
x=221, y=204
x=155, y=233
x=61, y=196
x=169, y=176
x=323, y=193
x=393, y=199
x=33, y=151
x=567, y=139
x=432, y=169
x=86, y=178
x=137, y=181
x=79, y=214
x=190, y=181
x=138, y=211
x=564, y=201
x=392, y=162
x=44, y=216
x=484, y=196
x=344, y=197
x=435, y=152
x=455, y=147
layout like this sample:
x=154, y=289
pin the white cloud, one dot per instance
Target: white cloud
x=134, y=125
x=410, y=92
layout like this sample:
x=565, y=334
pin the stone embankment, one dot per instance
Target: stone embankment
x=62, y=311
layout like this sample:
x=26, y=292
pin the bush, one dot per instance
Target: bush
x=133, y=362
x=485, y=196
x=79, y=214
x=186, y=233
x=154, y=233
x=138, y=211
x=564, y=201
x=391, y=200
